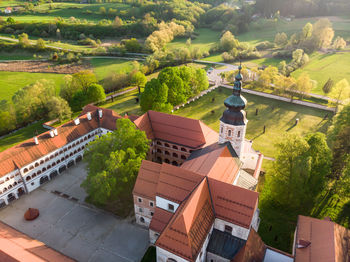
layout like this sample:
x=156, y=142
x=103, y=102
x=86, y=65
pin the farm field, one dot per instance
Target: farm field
x=10, y=82
x=324, y=66
x=48, y=12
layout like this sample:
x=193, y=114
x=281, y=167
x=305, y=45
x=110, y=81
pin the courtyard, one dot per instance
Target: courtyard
x=73, y=228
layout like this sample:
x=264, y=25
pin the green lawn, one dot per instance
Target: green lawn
x=324, y=66
x=278, y=117
x=43, y=13
x=206, y=39
x=125, y=104
x=21, y=135
x=104, y=66
x=10, y=82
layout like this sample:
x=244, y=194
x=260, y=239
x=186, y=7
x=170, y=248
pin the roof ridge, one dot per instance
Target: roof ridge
x=211, y=197
x=150, y=121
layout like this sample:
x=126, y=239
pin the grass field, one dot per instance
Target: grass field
x=104, y=66
x=10, y=82
x=206, y=39
x=324, y=66
x=278, y=117
x=43, y=12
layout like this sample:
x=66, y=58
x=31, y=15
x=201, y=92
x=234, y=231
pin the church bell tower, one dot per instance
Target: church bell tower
x=233, y=122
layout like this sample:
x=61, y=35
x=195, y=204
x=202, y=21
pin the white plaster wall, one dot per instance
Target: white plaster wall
x=273, y=256
x=250, y=160
x=237, y=231
x=153, y=236
x=163, y=255
x=204, y=247
x=215, y=258
x=163, y=203
x=256, y=220
x=236, y=142
x=138, y=220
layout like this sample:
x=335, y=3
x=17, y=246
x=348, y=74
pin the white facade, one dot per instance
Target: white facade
x=165, y=204
x=31, y=176
x=234, y=134
x=274, y=256
x=165, y=256
x=237, y=231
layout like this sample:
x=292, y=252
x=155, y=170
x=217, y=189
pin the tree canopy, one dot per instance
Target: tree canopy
x=113, y=161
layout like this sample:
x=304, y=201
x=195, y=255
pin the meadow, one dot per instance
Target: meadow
x=102, y=67
x=10, y=82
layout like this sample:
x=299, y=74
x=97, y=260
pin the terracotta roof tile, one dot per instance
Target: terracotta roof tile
x=16, y=246
x=144, y=124
x=329, y=242
x=147, y=179
x=253, y=250
x=232, y=203
x=188, y=229
x=28, y=151
x=176, y=183
x=160, y=219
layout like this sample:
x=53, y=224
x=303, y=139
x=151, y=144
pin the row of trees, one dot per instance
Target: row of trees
x=173, y=86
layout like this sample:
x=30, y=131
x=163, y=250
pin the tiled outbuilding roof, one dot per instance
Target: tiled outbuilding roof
x=160, y=219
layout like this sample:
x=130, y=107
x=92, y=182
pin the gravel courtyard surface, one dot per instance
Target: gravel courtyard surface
x=71, y=227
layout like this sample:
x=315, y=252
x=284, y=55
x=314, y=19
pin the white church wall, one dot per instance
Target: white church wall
x=237, y=231
x=164, y=204
x=163, y=256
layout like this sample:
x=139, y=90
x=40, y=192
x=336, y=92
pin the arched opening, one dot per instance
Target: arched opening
x=183, y=157
x=53, y=174
x=175, y=147
x=52, y=156
x=44, y=179
x=183, y=149
x=20, y=191
x=66, y=157
x=41, y=162
x=4, y=190
x=142, y=220
x=78, y=159
x=70, y=163
x=28, y=178
x=44, y=169
x=47, y=159
x=174, y=163
x=11, y=197
x=25, y=170
x=62, y=159
x=159, y=151
x=71, y=154
x=166, y=145
x=175, y=155
x=167, y=161
x=167, y=153
x=49, y=166
x=171, y=260
x=56, y=154
x=31, y=167
x=39, y=172
x=36, y=164
x=159, y=143
x=62, y=168
x=239, y=134
x=229, y=133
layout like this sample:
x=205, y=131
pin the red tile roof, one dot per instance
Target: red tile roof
x=176, y=183
x=176, y=129
x=160, y=220
x=253, y=250
x=28, y=151
x=147, y=179
x=16, y=246
x=321, y=240
x=232, y=203
x=215, y=161
x=189, y=227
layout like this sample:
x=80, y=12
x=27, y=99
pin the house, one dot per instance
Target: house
x=8, y=10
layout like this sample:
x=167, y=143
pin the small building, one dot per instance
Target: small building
x=8, y=10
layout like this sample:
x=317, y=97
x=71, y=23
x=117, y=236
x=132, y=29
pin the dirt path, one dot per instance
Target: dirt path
x=43, y=67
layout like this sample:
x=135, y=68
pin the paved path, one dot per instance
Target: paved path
x=120, y=93
x=74, y=229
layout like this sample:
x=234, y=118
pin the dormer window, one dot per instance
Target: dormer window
x=228, y=229
x=170, y=207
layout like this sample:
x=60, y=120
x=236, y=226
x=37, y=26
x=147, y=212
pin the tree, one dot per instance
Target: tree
x=299, y=173
x=304, y=85
x=228, y=42
x=268, y=76
x=307, y=30
x=82, y=80
x=132, y=45
x=281, y=39
x=339, y=43
x=95, y=93
x=40, y=44
x=103, y=10
x=113, y=161
x=139, y=79
x=340, y=93
x=155, y=97
x=328, y=86
x=58, y=108
x=282, y=67
x=118, y=22
x=23, y=40
x=323, y=33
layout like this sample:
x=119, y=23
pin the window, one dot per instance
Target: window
x=229, y=133
x=36, y=164
x=183, y=157
x=222, y=130
x=32, y=183
x=159, y=151
x=41, y=162
x=239, y=134
x=175, y=147
x=139, y=200
x=166, y=145
x=228, y=229
x=31, y=167
x=171, y=207
x=175, y=155
x=183, y=149
x=140, y=210
x=167, y=153
x=142, y=220
x=52, y=156
x=151, y=204
x=152, y=214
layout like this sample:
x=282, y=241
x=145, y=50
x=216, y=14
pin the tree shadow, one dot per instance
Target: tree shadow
x=290, y=128
x=343, y=217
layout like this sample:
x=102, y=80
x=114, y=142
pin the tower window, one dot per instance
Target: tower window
x=222, y=129
x=229, y=133
x=239, y=134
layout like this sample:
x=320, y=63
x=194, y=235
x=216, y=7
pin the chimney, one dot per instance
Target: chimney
x=52, y=133
x=55, y=132
x=100, y=113
x=76, y=121
x=88, y=114
x=36, y=141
